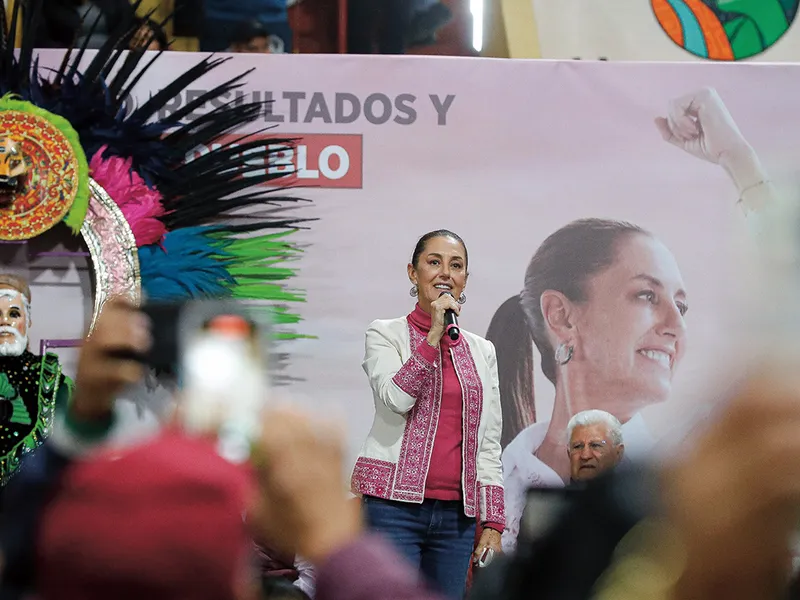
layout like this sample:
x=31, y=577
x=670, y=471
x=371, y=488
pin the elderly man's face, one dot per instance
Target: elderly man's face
x=592, y=451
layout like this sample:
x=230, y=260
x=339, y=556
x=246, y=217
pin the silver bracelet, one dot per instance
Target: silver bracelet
x=752, y=187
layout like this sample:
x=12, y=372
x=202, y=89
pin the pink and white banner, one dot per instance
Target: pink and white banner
x=506, y=153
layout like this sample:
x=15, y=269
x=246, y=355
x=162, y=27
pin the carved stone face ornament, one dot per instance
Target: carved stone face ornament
x=13, y=166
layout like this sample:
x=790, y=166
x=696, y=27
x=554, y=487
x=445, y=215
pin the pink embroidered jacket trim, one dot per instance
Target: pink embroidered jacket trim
x=492, y=507
x=405, y=481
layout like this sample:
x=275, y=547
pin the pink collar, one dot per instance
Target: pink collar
x=422, y=321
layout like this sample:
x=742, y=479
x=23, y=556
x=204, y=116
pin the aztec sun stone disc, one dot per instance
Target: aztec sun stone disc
x=48, y=190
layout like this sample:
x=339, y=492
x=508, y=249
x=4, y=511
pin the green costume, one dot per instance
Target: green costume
x=32, y=389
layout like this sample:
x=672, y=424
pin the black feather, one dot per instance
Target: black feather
x=216, y=185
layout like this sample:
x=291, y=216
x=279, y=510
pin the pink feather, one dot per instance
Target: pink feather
x=140, y=204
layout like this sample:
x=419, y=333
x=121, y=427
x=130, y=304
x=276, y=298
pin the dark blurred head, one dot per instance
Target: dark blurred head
x=150, y=36
x=279, y=588
x=250, y=36
x=160, y=521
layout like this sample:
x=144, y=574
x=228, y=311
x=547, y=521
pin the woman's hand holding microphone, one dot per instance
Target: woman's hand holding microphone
x=438, y=307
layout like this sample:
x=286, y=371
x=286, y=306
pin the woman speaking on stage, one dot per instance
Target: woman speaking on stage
x=431, y=462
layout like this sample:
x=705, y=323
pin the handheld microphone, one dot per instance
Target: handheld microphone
x=451, y=321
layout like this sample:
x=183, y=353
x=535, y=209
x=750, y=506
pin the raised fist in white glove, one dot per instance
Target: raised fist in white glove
x=700, y=124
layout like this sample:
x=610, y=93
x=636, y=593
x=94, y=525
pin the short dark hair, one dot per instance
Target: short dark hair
x=247, y=30
x=423, y=241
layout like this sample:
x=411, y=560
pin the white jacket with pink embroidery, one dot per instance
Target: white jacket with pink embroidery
x=406, y=386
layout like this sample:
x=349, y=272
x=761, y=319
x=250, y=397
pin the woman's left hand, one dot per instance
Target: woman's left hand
x=490, y=538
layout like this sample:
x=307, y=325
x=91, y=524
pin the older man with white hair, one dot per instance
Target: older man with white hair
x=31, y=386
x=595, y=444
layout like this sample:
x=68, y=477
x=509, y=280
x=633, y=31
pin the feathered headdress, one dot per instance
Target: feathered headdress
x=73, y=150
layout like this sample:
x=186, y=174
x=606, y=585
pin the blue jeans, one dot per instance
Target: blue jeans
x=435, y=536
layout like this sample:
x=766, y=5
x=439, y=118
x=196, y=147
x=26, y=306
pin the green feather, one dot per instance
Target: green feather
x=292, y=336
x=278, y=315
x=252, y=264
x=265, y=291
x=265, y=272
x=256, y=265
x=77, y=213
x=281, y=316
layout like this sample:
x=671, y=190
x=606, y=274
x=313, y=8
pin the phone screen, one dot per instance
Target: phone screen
x=164, y=320
x=167, y=321
x=223, y=355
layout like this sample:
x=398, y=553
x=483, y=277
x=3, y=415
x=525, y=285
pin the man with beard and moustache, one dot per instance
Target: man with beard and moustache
x=32, y=387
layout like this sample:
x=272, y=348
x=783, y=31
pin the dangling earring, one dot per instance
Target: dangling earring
x=564, y=354
x=413, y=292
x=462, y=298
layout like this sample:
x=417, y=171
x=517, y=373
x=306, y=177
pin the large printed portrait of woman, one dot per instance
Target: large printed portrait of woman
x=606, y=313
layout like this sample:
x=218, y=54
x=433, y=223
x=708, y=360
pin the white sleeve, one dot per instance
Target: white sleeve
x=306, y=580
x=490, y=468
x=394, y=383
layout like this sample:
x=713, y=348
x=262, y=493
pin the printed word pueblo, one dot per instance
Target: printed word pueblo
x=328, y=161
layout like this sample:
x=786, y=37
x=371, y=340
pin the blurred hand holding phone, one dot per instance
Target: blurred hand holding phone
x=220, y=352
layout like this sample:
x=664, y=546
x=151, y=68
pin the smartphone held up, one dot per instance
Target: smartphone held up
x=220, y=353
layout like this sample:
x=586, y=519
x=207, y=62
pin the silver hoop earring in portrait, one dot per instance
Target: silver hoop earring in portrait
x=462, y=298
x=564, y=354
x=413, y=292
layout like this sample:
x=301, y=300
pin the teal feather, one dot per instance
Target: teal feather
x=213, y=262
x=188, y=263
